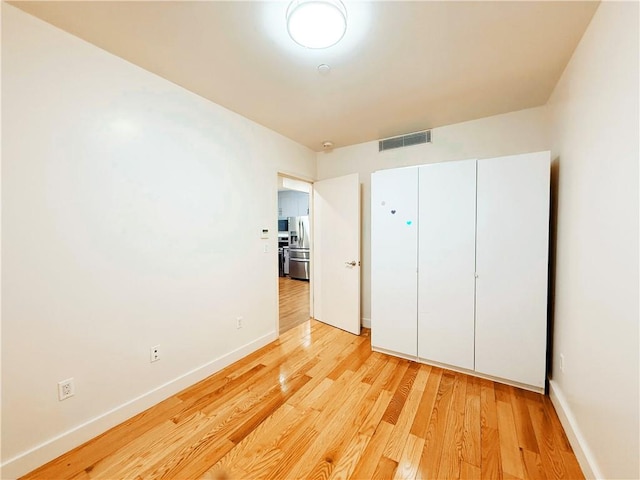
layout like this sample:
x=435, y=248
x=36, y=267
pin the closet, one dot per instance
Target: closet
x=459, y=262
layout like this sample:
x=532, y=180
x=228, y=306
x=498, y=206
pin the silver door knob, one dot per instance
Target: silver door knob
x=352, y=263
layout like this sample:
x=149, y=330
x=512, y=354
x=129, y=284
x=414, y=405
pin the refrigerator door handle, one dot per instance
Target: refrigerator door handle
x=301, y=231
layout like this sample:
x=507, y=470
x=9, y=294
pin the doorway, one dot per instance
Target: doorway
x=294, y=252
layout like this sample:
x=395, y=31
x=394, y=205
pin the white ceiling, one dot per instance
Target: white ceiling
x=401, y=67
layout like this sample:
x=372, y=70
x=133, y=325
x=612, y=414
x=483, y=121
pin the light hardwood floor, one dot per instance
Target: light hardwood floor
x=294, y=302
x=319, y=404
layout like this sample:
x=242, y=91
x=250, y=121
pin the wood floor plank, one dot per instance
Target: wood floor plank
x=471, y=438
x=160, y=458
x=391, y=369
x=374, y=416
x=423, y=415
x=353, y=361
x=379, y=361
x=158, y=461
x=572, y=466
x=343, y=470
x=329, y=425
x=87, y=455
x=469, y=471
x=318, y=403
x=258, y=444
x=293, y=298
x=409, y=458
x=420, y=383
x=219, y=441
x=559, y=434
x=488, y=415
x=400, y=368
x=396, y=445
x=194, y=460
x=433, y=446
x=312, y=393
x=491, y=462
x=533, y=468
x=550, y=453
x=208, y=397
x=401, y=393
x=333, y=417
x=526, y=435
x=269, y=447
x=334, y=392
x=291, y=446
x=345, y=466
x=385, y=469
x=509, y=446
x=268, y=405
x=491, y=467
x=373, y=453
x=127, y=456
x=502, y=392
x=338, y=450
x=449, y=466
x=337, y=350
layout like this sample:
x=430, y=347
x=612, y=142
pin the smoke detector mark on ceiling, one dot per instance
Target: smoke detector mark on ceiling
x=324, y=69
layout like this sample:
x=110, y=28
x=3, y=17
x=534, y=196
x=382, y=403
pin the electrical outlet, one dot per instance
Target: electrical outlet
x=562, y=363
x=66, y=389
x=239, y=322
x=155, y=353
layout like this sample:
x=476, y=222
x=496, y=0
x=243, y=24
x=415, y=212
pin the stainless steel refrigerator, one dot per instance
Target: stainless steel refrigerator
x=299, y=242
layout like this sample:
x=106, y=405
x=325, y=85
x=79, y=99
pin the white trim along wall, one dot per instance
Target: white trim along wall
x=594, y=113
x=132, y=212
x=132, y=217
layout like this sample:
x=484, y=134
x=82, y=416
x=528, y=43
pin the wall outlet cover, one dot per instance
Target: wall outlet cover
x=66, y=389
x=155, y=353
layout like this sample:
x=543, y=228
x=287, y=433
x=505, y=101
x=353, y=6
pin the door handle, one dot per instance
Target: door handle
x=352, y=263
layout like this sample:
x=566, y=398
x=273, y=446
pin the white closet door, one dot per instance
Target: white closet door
x=512, y=262
x=446, y=266
x=394, y=252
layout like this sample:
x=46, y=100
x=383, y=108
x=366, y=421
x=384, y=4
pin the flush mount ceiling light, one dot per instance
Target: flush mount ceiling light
x=316, y=23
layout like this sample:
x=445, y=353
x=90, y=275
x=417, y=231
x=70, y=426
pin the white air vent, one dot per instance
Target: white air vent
x=405, y=140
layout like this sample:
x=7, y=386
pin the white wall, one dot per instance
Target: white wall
x=132, y=212
x=594, y=113
x=511, y=133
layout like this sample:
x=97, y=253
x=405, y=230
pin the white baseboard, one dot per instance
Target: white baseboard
x=366, y=322
x=579, y=444
x=54, y=447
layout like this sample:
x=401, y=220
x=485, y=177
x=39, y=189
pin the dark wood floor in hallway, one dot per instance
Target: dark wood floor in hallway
x=319, y=404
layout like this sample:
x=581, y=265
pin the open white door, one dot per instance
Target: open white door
x=336, y=252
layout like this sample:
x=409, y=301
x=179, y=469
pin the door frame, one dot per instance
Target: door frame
x=309, y=181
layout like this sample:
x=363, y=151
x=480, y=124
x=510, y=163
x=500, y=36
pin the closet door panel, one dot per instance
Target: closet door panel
x=394, y=250
x=512, y=264
x=446, y=265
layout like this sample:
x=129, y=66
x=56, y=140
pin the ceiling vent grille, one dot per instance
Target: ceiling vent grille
x=405, y=140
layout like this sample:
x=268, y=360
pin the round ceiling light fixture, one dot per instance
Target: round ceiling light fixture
x=316, y=23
